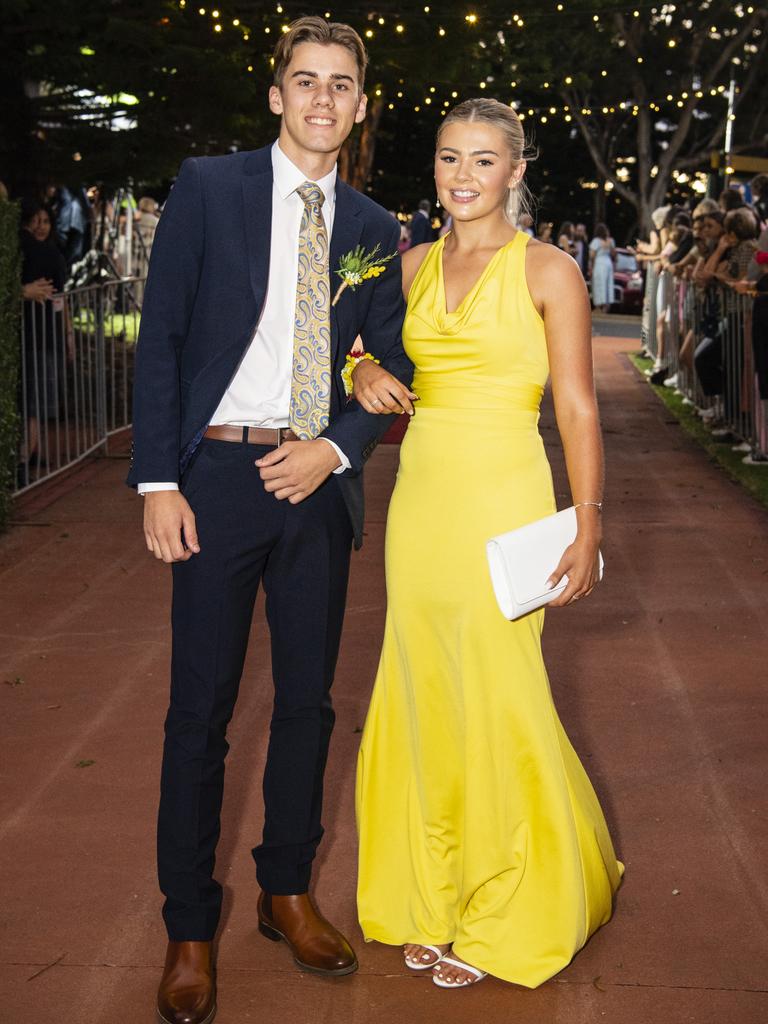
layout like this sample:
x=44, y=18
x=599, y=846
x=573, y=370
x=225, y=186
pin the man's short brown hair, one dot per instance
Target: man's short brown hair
x=318, y=30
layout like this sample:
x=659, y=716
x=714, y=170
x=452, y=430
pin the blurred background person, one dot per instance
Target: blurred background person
x=581, y=247
x=147, y=219
x=602, y=252
x=525, y=223
x=43, y=272
x=759, y=186
x=421, y=224
x=566, y=238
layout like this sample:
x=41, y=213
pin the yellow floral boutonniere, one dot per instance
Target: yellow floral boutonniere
x=358, y=266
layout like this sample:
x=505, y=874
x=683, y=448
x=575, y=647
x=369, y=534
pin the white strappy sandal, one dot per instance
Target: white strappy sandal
x=416, y=966
x=479, y=975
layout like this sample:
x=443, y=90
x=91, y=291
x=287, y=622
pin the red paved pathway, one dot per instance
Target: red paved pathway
x=660, y=679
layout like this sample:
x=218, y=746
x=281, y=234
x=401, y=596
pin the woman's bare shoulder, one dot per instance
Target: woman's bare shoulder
x=412, y=260
x=545, y=258
x=551, y=272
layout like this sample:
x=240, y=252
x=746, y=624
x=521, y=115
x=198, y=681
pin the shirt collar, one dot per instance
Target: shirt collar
x=288, y=177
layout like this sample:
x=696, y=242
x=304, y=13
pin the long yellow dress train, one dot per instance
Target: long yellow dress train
x=477, y=823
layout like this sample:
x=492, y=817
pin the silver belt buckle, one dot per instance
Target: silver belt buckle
x=279, y=431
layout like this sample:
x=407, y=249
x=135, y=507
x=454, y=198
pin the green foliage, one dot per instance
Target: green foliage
x=631, y=94
x=10, y=295
x=117, y=91
x=177, y=86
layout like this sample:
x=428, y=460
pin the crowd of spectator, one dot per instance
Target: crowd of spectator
x=707, y=296
x=68, y=237
x=702, y=261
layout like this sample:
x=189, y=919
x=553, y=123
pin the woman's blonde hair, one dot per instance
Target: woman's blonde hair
x=488, y=111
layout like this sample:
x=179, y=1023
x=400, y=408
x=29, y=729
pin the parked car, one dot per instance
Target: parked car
x=627, y=283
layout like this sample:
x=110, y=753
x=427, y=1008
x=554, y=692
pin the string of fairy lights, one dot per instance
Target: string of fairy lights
x=440, y=96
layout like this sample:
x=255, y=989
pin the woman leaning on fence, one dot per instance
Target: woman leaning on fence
x=738, y=244
x=44, y=327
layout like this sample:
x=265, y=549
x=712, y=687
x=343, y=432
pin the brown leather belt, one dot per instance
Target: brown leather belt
x=273, y=436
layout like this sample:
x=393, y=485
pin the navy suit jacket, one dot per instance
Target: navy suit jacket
x=205, y=290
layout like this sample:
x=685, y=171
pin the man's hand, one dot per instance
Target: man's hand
x=378, y=391
x=169, y=526
x=297, y=468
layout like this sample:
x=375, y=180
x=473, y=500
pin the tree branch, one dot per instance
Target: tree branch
x=598, y=157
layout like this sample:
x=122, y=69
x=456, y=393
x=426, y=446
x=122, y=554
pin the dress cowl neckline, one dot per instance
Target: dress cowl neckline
x=452, y=321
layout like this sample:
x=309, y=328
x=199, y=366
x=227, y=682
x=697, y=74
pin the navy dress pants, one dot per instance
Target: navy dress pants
x=300, y=553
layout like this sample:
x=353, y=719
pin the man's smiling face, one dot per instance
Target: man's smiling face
x=319, y=100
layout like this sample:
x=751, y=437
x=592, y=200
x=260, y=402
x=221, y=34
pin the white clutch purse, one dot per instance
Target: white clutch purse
x=522, y=561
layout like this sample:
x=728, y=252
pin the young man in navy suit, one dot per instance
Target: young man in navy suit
x=249, y=458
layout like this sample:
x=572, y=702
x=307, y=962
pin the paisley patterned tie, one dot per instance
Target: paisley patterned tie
x=311, y=383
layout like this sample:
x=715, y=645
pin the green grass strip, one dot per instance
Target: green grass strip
x=753, y=478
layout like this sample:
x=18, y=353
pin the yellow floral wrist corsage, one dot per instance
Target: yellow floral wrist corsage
x=350, y=363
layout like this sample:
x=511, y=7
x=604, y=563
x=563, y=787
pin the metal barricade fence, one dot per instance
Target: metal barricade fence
x=76, y=375
x=648, y=324
x=726, y=317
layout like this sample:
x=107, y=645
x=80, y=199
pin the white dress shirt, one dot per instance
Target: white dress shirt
x=259, y=394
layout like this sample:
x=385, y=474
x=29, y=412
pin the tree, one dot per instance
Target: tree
x=641, y=89
x=624, y=100
x=675, y=128
x=114, y=90
x=644, y=87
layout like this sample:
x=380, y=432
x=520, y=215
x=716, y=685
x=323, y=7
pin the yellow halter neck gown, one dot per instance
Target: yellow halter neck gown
x=477, y=823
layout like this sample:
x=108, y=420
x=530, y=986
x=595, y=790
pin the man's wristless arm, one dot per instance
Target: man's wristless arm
x=345, y=463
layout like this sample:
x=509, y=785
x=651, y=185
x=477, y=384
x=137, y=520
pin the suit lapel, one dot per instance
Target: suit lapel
x=347, y=229
x=257, y=215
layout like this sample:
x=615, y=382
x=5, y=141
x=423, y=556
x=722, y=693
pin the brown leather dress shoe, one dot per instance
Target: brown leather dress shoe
x=316, y=945
x=187, y=993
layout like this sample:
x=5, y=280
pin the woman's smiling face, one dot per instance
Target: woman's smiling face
x=474, y=169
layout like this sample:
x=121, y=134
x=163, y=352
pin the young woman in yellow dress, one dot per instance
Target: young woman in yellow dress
x=483, y=848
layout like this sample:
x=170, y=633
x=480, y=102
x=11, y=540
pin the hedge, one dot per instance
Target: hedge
x=10, y=295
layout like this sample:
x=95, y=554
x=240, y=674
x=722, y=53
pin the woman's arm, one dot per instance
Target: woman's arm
x=559, y=293
x=712, y=263
x=690, y=258
x=376, y=390
x=647, y=257
x=698, y=275
x=69, y=333
x=652, y=248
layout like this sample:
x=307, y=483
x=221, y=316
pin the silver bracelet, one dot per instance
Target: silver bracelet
x=598, y=504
